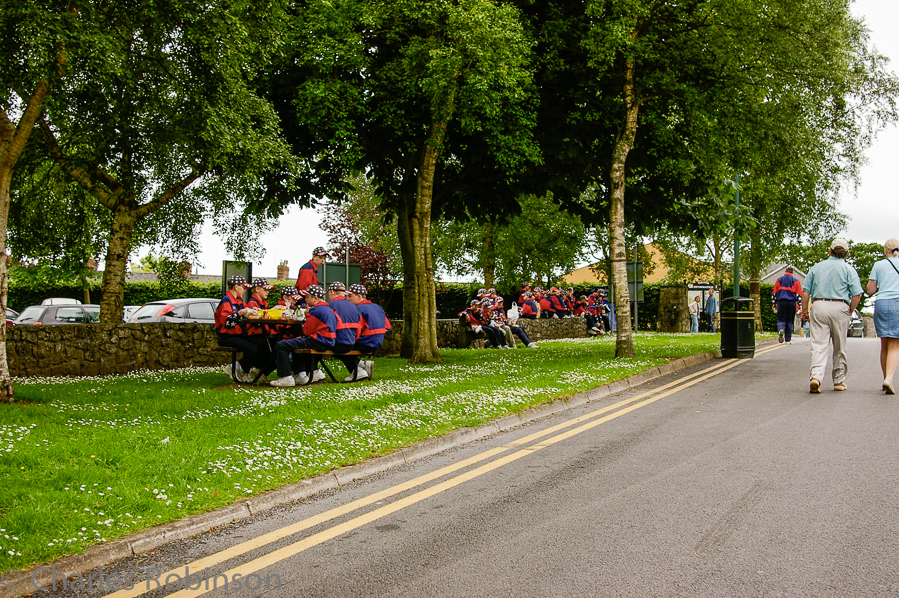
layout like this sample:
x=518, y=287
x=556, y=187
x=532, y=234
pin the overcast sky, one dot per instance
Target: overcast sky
x=873, y=209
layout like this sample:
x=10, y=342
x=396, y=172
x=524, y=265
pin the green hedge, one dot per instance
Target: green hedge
x=451, y=297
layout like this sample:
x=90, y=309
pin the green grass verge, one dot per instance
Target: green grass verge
x=87, y=460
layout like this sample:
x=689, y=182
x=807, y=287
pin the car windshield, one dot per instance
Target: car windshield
x=31, y=314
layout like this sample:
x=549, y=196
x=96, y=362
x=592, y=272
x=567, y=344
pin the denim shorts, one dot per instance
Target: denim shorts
x=886, y=318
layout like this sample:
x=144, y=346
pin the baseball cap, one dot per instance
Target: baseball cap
x=475, y=302
x=498, y=300
x=262, y=283
x=839, y=243
x=315, y=291
x=481, y=291
x=789, y=269
x=321, y=251
x=289, y=291
x=357, y=289
x=237, y=279
x=336, y=286
x=491, y=291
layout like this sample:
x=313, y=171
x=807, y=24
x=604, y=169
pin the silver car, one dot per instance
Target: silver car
x=184, y=311
x=856, y=325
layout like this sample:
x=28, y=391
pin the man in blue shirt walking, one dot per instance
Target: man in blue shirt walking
x=830, y=293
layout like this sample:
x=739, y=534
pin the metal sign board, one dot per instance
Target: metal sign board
x=231, y=268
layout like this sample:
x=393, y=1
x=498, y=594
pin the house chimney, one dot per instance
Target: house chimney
x=283, y=270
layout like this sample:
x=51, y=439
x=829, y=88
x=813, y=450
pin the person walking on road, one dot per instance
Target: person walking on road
x=831, y=292
x=787, y=293
x=884, y=281
x=695, y=308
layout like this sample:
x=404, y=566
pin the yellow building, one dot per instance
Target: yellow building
x=659, y=272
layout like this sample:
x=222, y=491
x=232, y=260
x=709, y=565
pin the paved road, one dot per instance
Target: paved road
x=726, y=480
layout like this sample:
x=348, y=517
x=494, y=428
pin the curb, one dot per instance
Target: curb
x=150, y=539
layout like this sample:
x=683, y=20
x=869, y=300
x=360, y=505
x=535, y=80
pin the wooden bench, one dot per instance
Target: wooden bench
x=233, y=351
x=320, y=356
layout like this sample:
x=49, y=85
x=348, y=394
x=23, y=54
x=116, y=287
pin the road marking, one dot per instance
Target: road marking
x=635, y=402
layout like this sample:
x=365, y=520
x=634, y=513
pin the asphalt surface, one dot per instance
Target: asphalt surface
x=735, y=482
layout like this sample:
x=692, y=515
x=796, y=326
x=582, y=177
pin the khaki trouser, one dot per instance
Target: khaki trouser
x=828, y=324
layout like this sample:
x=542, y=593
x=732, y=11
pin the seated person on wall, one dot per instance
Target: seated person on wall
x=349, y=324
x=555, y=298
x=375, y=326
x=589, y=312
x=320, y=332
x=525, y=288
x=487, y=317
x=474, y=316
x=230, y=333
x=528, y=307
x=509, y=327
x=546, y=306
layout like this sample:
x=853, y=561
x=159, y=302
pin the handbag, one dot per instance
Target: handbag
x=512, y=314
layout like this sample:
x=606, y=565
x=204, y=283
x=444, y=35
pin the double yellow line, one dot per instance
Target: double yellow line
x=587, y=422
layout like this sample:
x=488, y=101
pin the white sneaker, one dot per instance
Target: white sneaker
x=239, y=374
x=317, y=375
x=597, y=329
x=251, y=375
x=301, y=379
x=285, y=382
x=361, y=374
x=369, y=367
x=592, y=332
x=533, y=346
x=780, y=336
x=477, y=328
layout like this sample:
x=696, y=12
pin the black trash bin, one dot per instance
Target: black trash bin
x=737, y=328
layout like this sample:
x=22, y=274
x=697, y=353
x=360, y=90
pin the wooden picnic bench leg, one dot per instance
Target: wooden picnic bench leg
x=321, y=362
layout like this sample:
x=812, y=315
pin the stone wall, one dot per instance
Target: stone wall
x=93, y=349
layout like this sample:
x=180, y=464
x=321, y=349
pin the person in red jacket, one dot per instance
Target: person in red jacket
x=230, y=333
x=320, y=330
x=528, y=307
x=375, y=325
x=309, y=271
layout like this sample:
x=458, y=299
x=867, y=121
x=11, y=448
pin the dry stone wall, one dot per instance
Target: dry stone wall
x=95, y=349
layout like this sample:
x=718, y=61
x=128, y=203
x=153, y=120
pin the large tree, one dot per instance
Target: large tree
x=160, y=102
x=411, y=91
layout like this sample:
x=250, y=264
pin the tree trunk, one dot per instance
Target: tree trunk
x=6, y=168
x=755, y=279
x=410, y=289
x=624, y=344
x=424, y=343
x=489, y=255
x=119, y=248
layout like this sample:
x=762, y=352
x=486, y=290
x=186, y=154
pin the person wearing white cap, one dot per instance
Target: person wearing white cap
x=830, y=293
x=884, y=280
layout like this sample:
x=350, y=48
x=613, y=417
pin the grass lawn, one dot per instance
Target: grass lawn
x=86, y=460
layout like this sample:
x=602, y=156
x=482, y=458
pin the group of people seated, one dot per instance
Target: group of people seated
x=487, y=314
x=339, y=320
x=556, y=303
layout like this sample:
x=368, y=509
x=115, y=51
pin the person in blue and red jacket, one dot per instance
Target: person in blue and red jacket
x=309, y=271
x=558, y=305
x=230, y=333
x=787, y=294
x=258, y=301
x=546, y=306
x=349, y=325
x=375, y=325
x=527, y=309
x=320, y=330
x=525, y=288
x=474, y=315
x=502, y=320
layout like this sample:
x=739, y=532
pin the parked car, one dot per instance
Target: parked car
x=856, y=324
x=11, y=316
x=176, y=311
x=59, y=314
x=129, y=309
x=60, y=301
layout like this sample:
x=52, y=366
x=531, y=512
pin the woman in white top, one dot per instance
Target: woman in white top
x=884, y=280
x=695, y=308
